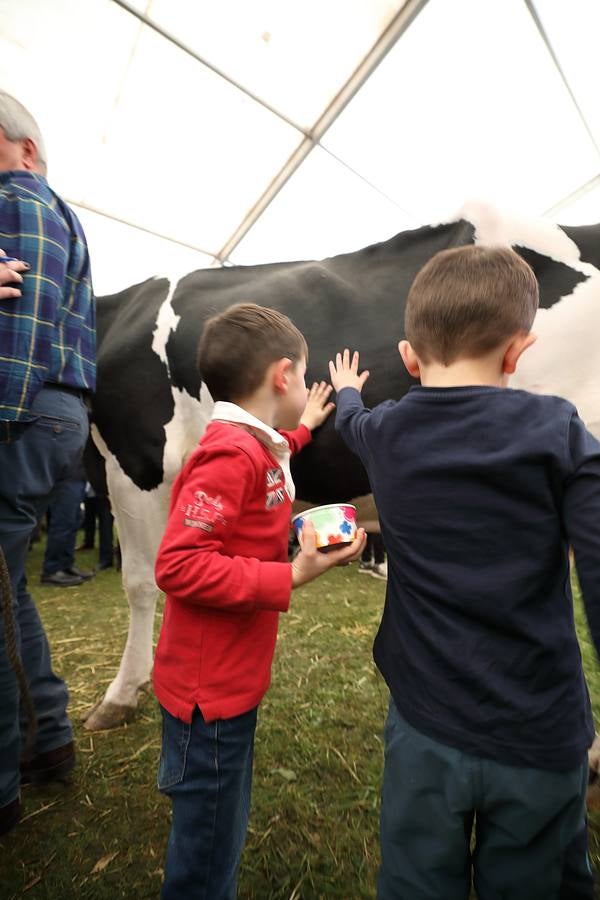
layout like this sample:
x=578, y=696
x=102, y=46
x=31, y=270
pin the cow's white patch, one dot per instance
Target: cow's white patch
x=565, y=360
x=166, y=322
x=541, y=235
x=182, y=433
x=191, y=414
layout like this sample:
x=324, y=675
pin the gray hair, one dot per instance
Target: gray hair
x=18, y=123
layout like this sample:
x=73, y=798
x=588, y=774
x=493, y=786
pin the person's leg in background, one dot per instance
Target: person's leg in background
x=366, y=561
x=89, y=519
x=379, y=569
x=65, y=511
x=29, y=469
x=105, y=532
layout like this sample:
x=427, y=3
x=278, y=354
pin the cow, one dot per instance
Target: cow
x=151, y=406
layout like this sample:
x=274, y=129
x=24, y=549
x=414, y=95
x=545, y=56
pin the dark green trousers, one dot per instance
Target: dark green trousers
x=434, y=798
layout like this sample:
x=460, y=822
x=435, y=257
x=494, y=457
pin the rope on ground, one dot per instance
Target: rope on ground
x=14, y=658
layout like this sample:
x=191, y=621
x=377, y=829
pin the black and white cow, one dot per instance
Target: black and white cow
x=151, y=406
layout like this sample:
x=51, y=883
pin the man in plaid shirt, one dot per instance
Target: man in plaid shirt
x=47, y=366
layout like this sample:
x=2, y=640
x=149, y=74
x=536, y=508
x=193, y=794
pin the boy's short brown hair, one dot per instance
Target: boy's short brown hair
x=466, y=301
x=238, y=346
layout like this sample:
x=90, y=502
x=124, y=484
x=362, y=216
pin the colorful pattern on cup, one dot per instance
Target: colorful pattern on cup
x=335, y=524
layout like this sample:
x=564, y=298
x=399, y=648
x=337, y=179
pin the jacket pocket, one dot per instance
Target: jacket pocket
x=174, y=749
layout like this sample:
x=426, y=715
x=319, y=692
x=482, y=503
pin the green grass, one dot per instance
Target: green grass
x=318, y=761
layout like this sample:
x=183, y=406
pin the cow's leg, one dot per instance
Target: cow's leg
x=140, y=518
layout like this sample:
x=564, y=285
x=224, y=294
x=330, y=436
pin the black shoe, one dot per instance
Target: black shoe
x=55, y=765
x=80, y=573
x=108, y=564
x=62, y=579
x=10, y=815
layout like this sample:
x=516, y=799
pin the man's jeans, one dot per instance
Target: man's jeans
x=30, y=468
x=206, y=770
x=65, y=516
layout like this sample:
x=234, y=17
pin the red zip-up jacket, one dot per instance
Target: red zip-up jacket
x=223, y=565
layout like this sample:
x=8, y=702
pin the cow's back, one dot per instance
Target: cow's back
x=353, y=300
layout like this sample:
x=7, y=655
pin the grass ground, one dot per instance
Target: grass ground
x=313, y=828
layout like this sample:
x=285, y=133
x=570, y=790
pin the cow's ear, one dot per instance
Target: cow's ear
x=409, y=358
x=519, y=344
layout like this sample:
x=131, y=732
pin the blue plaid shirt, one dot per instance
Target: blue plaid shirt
x=49, y=333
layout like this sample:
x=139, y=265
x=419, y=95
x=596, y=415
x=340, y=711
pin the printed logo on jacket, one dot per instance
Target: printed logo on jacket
x=205, y=513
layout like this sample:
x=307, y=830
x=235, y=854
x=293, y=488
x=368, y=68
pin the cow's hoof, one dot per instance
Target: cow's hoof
x=105, y=715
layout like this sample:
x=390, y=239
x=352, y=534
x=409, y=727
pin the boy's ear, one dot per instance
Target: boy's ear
x=281, y=369
x=409, y=358
x=517, y=346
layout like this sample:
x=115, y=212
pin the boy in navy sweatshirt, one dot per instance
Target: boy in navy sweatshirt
x=480, y=490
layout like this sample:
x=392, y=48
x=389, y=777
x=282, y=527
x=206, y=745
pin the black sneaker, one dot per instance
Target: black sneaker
x=80, y=573
x=62, y=579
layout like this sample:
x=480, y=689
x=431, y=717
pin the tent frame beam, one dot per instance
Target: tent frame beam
x=310, y=138
x=394, y=31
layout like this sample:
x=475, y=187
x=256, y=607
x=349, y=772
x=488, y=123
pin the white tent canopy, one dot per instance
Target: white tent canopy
x=188, y=133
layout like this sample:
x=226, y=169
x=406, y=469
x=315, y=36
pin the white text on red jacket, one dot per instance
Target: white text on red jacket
x=204, y=513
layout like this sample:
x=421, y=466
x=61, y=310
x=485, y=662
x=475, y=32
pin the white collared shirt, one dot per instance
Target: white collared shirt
x=275, y=443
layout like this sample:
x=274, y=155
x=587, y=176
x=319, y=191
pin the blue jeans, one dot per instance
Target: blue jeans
x=65, y=515
x=30, y=468
x=206, y=770
x=527, y=822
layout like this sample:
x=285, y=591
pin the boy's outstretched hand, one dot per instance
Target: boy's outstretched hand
x=317, y=406
x=344, y=372
x=310, y=562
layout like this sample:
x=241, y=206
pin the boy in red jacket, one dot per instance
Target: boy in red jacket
x=223, y=565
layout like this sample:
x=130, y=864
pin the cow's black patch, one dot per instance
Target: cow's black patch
x=133, y=401
x=556, y=280
x=587, y=238
x=95, y=468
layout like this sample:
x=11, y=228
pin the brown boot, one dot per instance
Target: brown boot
x=54, y=765
x=10, y=815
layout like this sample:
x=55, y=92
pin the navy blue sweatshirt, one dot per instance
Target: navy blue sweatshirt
x=480, y=492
